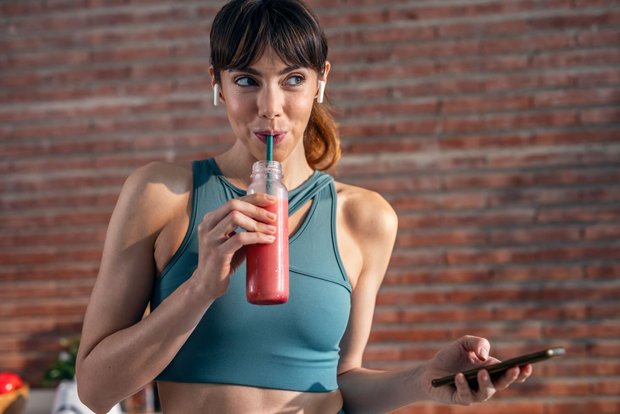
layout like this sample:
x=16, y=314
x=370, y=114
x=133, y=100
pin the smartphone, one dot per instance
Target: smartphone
x=497, y=370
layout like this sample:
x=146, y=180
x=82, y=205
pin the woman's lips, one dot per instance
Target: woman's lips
x=278, y=136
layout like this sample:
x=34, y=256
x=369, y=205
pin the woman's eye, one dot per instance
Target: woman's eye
x=245, y=81
x=294, y=80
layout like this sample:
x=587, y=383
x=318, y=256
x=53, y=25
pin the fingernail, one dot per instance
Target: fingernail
x=271, y=229
x=271, y=216
x=270, y=197
x=271, y=239
x=485, y=376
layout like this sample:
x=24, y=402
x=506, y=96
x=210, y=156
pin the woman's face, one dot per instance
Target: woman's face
x=270, y=97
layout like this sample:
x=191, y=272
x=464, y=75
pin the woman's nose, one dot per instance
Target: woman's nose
x=270, y=102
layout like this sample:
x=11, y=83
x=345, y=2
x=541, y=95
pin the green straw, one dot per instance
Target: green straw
x=269, y=158
x=270, y=148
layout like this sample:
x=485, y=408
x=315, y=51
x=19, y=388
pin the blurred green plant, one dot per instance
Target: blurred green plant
x=64, y=367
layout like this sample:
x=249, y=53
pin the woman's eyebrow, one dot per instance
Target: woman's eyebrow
x=253, y=71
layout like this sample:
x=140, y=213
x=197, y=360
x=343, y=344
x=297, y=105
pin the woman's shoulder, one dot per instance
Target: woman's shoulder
x=159, y=187
x=159, y=178
x=367, y=213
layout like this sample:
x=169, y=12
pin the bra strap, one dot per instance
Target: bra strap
x=299, y=196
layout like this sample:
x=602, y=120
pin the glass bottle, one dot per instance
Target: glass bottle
x=267, y=281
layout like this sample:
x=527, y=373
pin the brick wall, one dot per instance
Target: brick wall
x=493, y=128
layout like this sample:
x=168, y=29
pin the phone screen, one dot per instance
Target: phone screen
x=497, y=370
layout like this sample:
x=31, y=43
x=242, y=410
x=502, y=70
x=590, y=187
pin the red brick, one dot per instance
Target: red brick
x=50, y=255
x=588, y=406
x=583, y=19
x=568, y=368
x=428, y=276
x=527, y=236
x=544, y=138
x=601, y=37
x=602, y=271
x=523, y=180
x=504, y=255
x=487, y=140
x=490, y=28
x=56, y=306
x=53, y=238
x=601, y=232
x=488, y=218
x=433, y=238
x=490, y=295
x=524, y=272
x=418, y=258
x=599, y=116
x=427, y=105
x=544, y=197
x=45, y=343
x=418, y=333
x=60, y=325
x=41, y=289
x=38, y=183
x=406, y=71
x=578, y=214
x=54, y=221
x=387, y=185
x=548, y=159
x=404, y=34
x=551, y=315
x=51, y=271
x=440, y=201
x=543, y=40
x=491, y=407
x=483, y=104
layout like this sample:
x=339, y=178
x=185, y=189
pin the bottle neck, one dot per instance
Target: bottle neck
x=268, y=169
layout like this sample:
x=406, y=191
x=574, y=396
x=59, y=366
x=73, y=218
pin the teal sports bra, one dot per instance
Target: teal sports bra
x=294, y=346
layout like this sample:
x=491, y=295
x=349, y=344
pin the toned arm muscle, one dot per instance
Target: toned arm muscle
x=373, y=225
x=119, y=351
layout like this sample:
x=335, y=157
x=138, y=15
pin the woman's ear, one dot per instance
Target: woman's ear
x=328, y=67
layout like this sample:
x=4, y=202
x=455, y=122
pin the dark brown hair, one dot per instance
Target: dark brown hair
x=242, y=30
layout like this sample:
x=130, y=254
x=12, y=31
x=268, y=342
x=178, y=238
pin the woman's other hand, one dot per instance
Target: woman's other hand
x=463, y=354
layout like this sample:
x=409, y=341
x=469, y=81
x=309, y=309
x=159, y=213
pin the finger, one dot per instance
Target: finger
x=508, y=378
x=251, y=206
x=239, y=240
x=464, y=394
x=525, y=372
x=236, y=219
x=260, y=199
x=486, y=389
x=479, y=346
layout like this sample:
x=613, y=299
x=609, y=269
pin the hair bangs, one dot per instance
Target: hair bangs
x=294, y=36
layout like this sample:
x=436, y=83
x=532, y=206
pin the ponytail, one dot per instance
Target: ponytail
x=322, y=139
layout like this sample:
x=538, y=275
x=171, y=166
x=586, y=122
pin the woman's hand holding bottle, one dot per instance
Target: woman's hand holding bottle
x=221, y=247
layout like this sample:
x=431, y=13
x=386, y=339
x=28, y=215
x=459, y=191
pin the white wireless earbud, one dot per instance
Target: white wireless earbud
x=216, y=94
x=321, y=96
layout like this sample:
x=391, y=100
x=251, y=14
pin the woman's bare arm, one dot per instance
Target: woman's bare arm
x=119, y=351
x=373, y=224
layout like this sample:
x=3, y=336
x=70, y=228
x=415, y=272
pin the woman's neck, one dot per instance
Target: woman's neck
x=236, y=165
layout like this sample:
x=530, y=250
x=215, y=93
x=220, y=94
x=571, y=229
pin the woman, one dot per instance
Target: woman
x=173, y=241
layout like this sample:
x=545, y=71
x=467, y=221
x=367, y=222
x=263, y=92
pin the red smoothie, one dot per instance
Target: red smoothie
x=267, y=264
